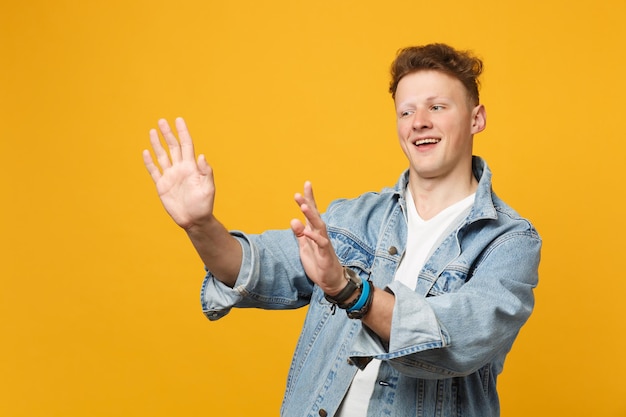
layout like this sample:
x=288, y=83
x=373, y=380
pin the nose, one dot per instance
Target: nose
x=421, y=119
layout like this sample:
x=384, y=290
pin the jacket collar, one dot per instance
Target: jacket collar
x=483, y=207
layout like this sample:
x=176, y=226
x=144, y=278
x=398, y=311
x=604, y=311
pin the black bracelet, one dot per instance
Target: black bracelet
x=353, y=302
x=354, y=283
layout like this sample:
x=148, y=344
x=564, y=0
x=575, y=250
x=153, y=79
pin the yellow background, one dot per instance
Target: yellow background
x=99, y=296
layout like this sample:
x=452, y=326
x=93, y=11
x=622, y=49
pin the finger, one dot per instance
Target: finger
x=308, y=194
x=152, y=168
x=186, y=143
x=170, y=139
x=307, y=236
x=299, y=199
x=307, y=205
x=314, y=220
x=159, y=151
x=306, y=198
x=297, y=227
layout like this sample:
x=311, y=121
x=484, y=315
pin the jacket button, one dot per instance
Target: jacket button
x=323, y=413
x=393, y=250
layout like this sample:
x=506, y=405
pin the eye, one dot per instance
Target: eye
x=405, y=113
x=437, y=107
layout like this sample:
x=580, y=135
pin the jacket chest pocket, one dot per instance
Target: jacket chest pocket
x=450, y=280
x=352, y=252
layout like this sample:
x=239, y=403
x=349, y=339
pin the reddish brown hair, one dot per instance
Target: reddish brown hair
x=461, y=65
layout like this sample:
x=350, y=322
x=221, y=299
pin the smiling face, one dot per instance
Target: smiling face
x=436, y=122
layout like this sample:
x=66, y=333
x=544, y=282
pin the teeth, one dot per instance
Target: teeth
x=425, y=141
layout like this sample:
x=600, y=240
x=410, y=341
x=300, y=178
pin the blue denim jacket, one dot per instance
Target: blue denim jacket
x=449, y=336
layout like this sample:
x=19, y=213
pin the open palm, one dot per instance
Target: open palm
x=316, y=251
x=185, y=185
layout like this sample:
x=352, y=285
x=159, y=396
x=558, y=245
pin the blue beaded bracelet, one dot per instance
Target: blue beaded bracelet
x=365, y=292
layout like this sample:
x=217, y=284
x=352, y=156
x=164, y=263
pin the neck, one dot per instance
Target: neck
x=431, y=196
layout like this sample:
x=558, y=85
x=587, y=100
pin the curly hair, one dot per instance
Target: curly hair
x=461, y=65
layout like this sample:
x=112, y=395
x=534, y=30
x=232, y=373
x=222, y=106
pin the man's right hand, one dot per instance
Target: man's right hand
x=185, y=185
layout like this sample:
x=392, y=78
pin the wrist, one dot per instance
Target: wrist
x=349, y=291
x=205, y=227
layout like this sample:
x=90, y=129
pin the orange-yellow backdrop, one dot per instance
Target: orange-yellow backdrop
x=99, y=307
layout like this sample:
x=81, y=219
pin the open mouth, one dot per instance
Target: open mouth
x=427, y=141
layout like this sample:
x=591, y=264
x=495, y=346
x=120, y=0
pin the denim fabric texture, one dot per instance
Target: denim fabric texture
x=449, y=336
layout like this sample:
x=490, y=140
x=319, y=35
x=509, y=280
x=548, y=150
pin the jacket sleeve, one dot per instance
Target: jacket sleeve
x=271, y=277
x=457, y=333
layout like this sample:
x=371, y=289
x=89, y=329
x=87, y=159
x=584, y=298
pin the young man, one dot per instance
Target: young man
x=435, y=275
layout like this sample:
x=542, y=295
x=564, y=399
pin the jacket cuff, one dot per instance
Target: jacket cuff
x=414, y=328
x=216, y=298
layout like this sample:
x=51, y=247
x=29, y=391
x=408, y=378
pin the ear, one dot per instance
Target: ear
x=479, y=119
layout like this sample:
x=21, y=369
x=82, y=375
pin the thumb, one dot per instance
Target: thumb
x=203, y=165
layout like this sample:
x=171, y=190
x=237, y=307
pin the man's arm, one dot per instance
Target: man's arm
x=187, y=190
x=322, y=265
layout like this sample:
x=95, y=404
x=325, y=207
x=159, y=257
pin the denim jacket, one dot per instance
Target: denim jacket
x=449, y=336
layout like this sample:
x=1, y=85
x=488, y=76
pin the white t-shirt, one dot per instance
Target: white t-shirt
x=421, y=236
